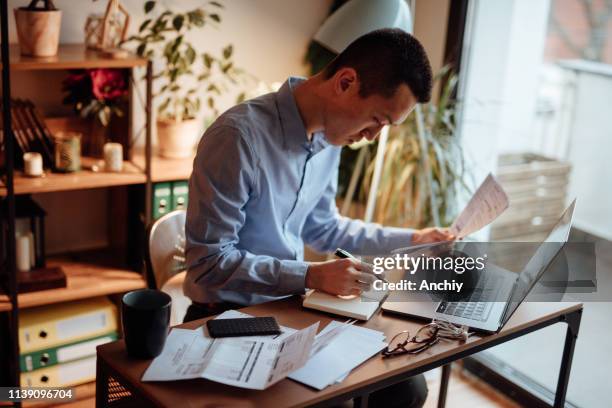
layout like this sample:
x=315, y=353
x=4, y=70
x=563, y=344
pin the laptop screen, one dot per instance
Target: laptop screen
x=540, y=260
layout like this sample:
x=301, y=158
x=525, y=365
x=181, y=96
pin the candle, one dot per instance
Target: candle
x=33, y=164
x=113, y=157
x=23, y=250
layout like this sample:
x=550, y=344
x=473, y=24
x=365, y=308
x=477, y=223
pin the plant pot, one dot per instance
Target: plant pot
x=177, y=140
x=38, y=31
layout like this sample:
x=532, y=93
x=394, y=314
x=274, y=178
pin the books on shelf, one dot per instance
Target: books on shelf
x=31, y=132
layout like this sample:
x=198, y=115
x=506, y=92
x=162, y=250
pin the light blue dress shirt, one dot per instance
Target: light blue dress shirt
x=258, y=192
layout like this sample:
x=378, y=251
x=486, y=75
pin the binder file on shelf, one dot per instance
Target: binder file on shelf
x=62, y=375
x=180, y=195
x=63, y=354
x=162, y=199
x=57, y=325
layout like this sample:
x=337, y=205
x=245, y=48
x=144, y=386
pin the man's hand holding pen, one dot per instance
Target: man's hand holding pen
x=350, y=276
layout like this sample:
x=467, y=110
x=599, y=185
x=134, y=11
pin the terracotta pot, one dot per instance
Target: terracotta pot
x=38, y=31
x=177, y=140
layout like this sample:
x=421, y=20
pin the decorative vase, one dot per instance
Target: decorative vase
x=38, y=31
x=177, y=139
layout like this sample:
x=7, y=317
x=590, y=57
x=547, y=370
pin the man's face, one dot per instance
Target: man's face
x=350, y=117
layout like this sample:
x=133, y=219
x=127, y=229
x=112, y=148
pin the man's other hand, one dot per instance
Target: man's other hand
x=338, y=277
x=427, y=235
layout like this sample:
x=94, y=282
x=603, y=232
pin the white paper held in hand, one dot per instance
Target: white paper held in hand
x=487, y=203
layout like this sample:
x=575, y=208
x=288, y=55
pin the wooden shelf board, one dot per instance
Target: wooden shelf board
x=5, y=303
x=163, y=169
x=131, y=174
x=85, y=279
x=71, y=56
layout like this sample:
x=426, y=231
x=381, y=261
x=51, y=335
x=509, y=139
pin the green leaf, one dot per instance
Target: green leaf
x=216, y=4
x=227, y=51
x=227, y=67
x=190, y=54
x=141, y=49
x=215, y=17
x=211, y=102
x=213, y=88
x=177, y=22
x=241, y=97
x=164, y=105
x=144, y=25
x=148, y=6
x=208, y=60
x=196, y=17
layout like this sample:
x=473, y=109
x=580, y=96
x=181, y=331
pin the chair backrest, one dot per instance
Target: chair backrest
x=165, y=248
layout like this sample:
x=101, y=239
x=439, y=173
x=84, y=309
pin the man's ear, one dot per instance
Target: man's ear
x=344, y=79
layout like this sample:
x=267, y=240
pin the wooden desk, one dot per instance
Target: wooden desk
x=118, y=376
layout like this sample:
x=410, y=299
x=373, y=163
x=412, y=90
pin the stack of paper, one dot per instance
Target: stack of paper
x=254, y=362
x=350, y=347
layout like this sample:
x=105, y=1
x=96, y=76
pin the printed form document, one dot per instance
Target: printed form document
x=254, y=362
x=487, y=203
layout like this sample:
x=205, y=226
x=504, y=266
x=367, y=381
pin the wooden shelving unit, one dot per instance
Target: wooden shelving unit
x=88, y=274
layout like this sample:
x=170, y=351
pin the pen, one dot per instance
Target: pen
x=341, y=253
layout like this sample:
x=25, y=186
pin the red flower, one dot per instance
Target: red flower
x=108, y=83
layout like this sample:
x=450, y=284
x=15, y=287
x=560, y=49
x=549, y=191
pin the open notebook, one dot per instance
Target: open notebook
x=360, y=307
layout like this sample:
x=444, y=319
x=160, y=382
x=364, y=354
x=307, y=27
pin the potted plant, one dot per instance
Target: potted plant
x=184, y=73
x=38, y=28
x=420, y=165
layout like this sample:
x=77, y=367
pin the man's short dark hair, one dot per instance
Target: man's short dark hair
x=384, y=59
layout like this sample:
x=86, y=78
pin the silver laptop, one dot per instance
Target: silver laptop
x=498, y=292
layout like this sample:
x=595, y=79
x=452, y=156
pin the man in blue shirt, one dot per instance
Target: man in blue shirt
x=265, y=177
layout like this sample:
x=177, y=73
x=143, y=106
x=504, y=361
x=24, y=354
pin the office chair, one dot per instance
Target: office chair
x=165, y=260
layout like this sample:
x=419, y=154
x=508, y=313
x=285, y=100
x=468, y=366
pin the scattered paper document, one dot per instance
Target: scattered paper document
x=254, y=362
x=487, y=203
x=352, y=346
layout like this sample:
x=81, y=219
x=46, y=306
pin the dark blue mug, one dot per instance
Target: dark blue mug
x=145, y=315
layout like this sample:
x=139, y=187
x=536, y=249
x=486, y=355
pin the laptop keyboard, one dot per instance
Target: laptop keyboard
x=478, y=306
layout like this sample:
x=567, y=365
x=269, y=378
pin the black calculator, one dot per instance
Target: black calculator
x=248, y=326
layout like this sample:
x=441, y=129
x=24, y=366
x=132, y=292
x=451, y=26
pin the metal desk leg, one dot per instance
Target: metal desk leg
x=101, y=384
x=573, y=325
x=446, y=372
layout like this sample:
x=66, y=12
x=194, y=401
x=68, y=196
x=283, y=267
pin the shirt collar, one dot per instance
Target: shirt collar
x=294, y=131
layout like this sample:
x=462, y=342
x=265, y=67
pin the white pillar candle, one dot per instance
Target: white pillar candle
x=33, y=164
x=113, y=157
x=23, y=253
